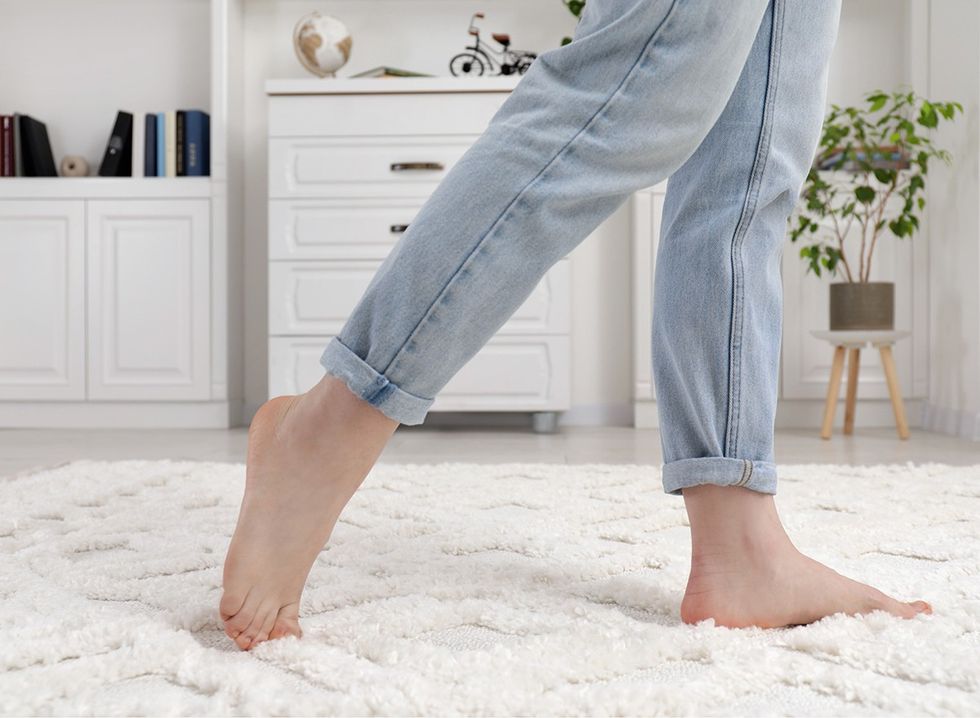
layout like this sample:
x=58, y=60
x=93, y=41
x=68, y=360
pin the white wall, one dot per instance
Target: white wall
x=73, y=64
x=954, y=219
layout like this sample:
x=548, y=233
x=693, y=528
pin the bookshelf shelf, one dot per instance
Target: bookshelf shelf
x=105, y=187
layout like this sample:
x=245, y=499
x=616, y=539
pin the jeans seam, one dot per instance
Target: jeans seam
x=741, y=229
x=520, y=194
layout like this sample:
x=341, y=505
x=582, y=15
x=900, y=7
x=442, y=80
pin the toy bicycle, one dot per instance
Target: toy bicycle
x=479, y=58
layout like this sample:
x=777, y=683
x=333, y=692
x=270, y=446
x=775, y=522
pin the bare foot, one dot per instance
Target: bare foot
x=745, y=571
x=307, y=455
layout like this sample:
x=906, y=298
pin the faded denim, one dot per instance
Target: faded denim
x=726, y=99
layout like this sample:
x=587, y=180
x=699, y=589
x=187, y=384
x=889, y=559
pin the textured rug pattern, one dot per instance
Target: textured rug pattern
x=469, y=589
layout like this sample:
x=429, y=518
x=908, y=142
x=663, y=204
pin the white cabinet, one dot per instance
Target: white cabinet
x=106, y=304
x=42, y=300
x=148, y=303
x=350, y=164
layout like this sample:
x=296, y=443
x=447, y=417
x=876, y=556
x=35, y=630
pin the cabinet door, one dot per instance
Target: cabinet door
x=149, y=304
x=42, y=266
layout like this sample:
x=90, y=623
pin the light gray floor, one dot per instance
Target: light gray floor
x=25, y=449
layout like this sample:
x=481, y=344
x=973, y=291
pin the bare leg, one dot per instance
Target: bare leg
x=307, y=455
x=745, y=571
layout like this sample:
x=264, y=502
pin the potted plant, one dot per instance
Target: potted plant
x=868, y=179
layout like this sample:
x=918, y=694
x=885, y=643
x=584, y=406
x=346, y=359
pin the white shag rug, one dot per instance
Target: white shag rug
x=460, y=589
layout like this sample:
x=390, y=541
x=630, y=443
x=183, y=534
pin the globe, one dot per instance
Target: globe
x=322, y=44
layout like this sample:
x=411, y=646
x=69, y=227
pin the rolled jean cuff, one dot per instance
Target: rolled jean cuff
x=721, y=471
x=371, y=386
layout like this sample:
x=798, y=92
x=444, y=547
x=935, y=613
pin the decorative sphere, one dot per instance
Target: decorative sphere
x=322, y=43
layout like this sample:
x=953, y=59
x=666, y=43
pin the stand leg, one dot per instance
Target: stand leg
x=894, y=391
x=853, y=363
x=544, y=422
x=832, y=391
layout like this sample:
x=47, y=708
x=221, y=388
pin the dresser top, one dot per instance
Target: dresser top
x=389, y=85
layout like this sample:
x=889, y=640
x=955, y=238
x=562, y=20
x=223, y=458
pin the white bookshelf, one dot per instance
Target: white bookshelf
x=114, y=292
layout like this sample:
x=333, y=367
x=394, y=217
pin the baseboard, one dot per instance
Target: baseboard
x=581, y=415
x=118, y=414
x=955, y=422
x=808, y=414
x=597, y=415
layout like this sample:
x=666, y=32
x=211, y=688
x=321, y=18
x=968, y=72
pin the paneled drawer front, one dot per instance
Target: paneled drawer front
x=374, y=167
x=529, y=373
x=356, y=229
x=364, y=114
x=316, y=298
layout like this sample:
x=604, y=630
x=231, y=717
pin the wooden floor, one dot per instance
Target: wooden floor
x=24, y=449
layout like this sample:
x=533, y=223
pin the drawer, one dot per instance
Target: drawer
x=352, y=229
x=383, y=114
x=529, y=373
x=315, y=298
x=361, y=167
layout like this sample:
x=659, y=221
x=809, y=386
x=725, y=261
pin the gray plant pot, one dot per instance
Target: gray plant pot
x=862, y=305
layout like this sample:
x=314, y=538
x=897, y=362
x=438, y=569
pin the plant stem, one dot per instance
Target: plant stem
x=840, y=239
x=881, y=213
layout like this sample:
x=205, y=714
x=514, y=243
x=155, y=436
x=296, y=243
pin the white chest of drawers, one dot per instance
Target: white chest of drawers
x=350, y=163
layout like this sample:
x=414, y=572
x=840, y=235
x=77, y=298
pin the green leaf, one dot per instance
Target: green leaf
x=885, y=176
x=865, y=194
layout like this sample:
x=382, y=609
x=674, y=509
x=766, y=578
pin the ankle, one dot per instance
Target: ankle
x=733, y=522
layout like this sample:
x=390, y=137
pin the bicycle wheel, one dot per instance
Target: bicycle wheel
x=524, y=63
x=466, y=63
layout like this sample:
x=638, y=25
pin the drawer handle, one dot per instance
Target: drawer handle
x=408, y=166
x=398, y=228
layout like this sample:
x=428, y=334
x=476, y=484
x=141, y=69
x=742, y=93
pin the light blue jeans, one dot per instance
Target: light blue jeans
x=726, y=99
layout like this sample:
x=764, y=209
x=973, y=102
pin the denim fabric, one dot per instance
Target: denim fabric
x=724, y=98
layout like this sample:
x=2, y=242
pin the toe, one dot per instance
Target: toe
x=879, y=601
x=921, y=607
x=287, y=622
x=266, y=628
x=238, y=622
x=231, y=603
x=262, y=622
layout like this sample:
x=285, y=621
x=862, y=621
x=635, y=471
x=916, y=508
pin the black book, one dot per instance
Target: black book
x=36, y=148
x=150, y=150
x=118, y=158
x=180, y=132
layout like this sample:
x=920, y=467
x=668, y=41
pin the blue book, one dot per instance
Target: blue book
x=161, y=147
x=150, y=146
x=197, y=144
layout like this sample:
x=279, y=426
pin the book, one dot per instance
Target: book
x=118, y=158
x=385, y=71
x=179, y=144
x=38, y=160
x=161, y=145
x=18, y=152
x=150, y=146
x=197, y=143
x=6, y=146
x=170, y=143
x=136, y=145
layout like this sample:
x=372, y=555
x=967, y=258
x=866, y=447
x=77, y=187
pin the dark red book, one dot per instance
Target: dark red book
x=6, y=146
